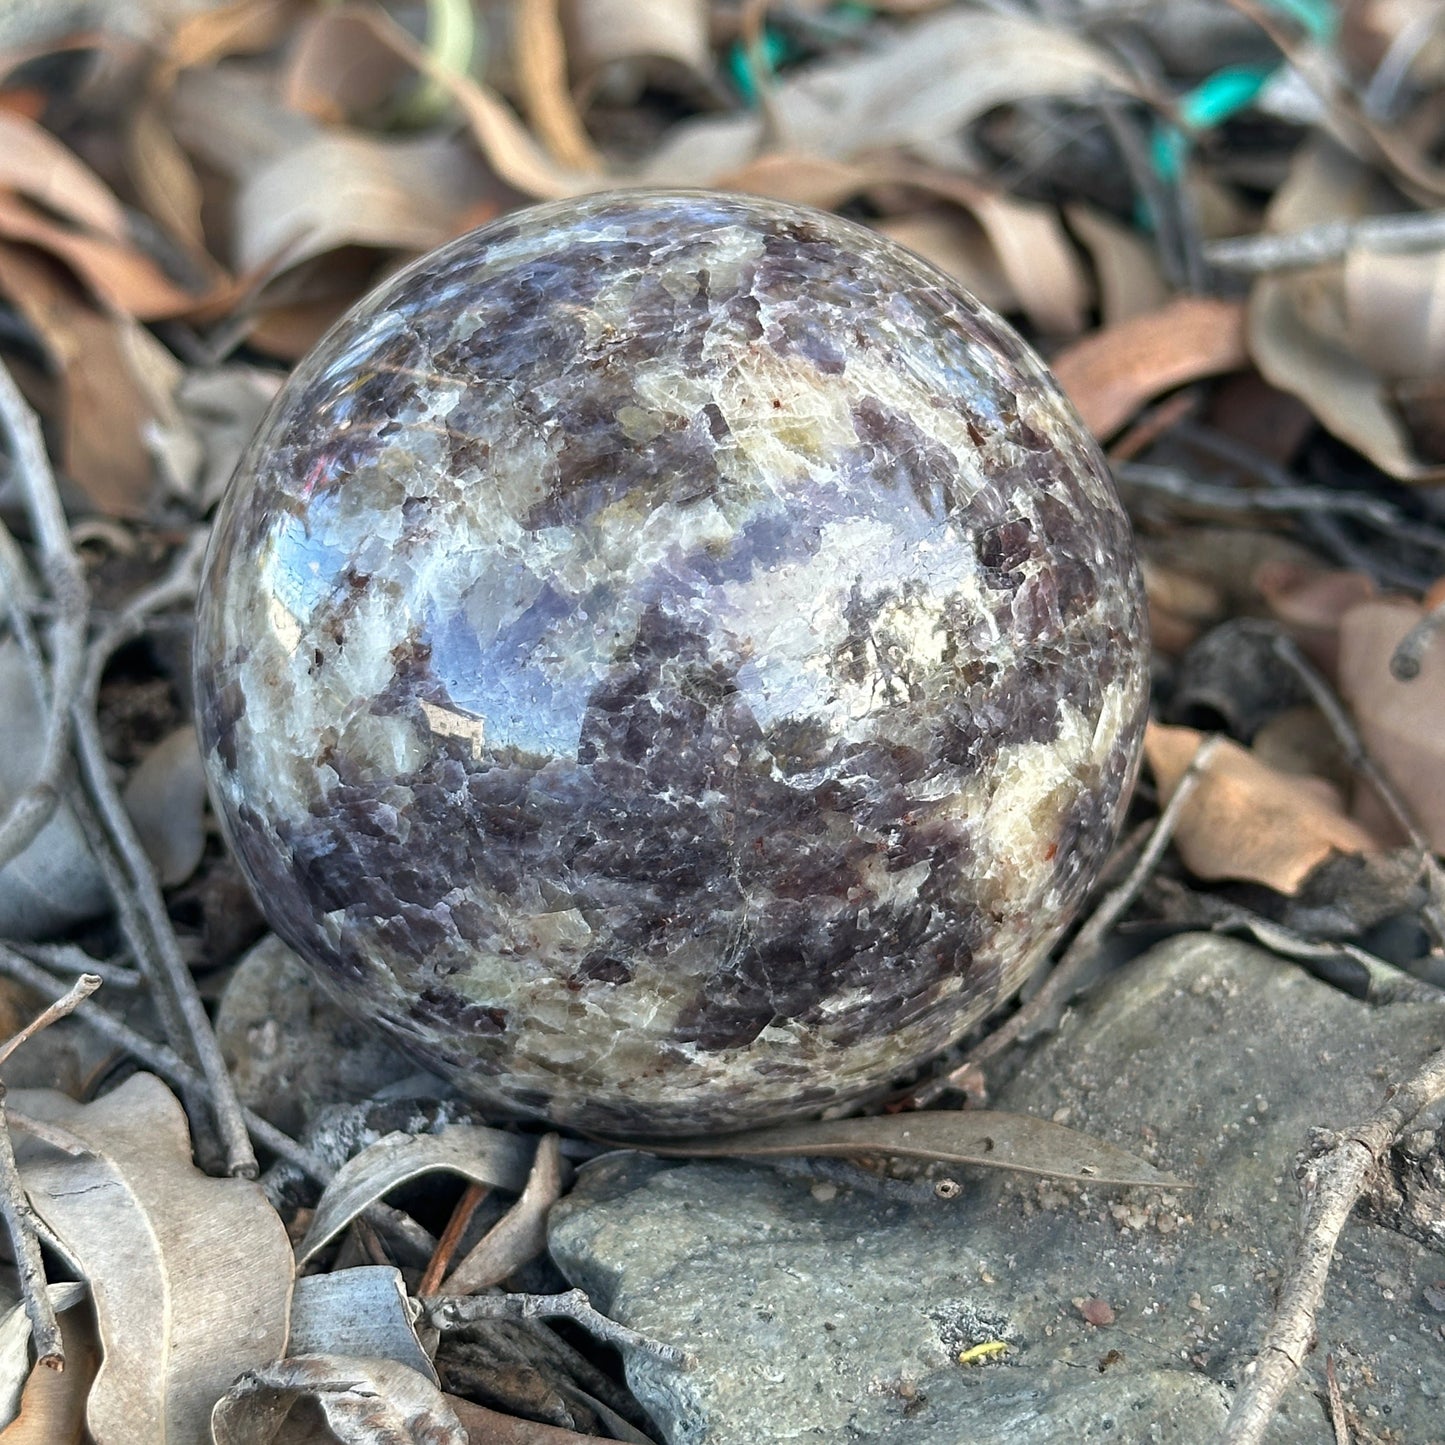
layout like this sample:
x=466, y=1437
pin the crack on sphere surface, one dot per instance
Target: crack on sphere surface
x=671, y=659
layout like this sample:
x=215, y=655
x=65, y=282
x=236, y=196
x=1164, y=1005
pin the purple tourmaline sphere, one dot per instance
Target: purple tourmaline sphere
x=673, y=660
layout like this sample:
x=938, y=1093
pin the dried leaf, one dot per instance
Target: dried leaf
x=106, y=409
x=488, y=1427
x=1113, y=372
x=166, y=181
x=540, y=59
x=16, y=1355
x=916, y=92
x=342, y=189
x=485, y=1156
x=970, y=1136
x=166, y=799
x=1127, y=267
x=1248, y=820
x=1400, y=722
x=520, y=1236
x=362, y=1312
x=658, y=40
x=1300, y=333
x=338, y=70
x=52, y=1404
x=1312, y=602
x=362, y=1402
x=34, y=164
x=212, y=32
x=191, y=1276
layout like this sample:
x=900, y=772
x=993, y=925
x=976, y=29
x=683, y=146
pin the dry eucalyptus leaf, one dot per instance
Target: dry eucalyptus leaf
x=539, y=62
x=347, y=189
x=360, y=1401
x=358, y=1312
x=484, y=1156
x=916, y=91
x=337, y=71
x=1110, y=374
x=957, y=245
x=970, y=1136
x=1311, y=602
x=489, y=1427
x=520, y=1236
x=1130, y=281
x=191, y=1276
x=107, y=409
x=1246, y=819
x=618, y=46
x=34, y=164
x=52, y=1404
x=1300, y=329
x=16, y=1355
x=1402, y=723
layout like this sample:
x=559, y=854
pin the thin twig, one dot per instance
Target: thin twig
x=1358, y=756
x=1327, y=243
x=161, y=1060
x=82, y=988
x=1332, y=1184
x=20, y=1225
x=451, y=1236
x=1214, y=497
x=1337, y=1403
x=65, y=579
x=1405, y=662
x=20, y=1221
x=451, y=1312
x=1087, y=942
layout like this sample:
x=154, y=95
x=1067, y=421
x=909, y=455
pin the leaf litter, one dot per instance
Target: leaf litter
x=1240, y=287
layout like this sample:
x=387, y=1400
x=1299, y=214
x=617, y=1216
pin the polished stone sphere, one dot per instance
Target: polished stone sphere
x=673, y=660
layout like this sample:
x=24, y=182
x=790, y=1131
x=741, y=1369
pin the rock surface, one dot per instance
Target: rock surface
x=673, y=659
x=825, y=1314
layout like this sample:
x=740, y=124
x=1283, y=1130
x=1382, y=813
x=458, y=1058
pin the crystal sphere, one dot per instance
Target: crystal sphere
x=673, y=660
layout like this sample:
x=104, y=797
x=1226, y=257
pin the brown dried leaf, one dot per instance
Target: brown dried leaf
x=1306, y=340
x=360, y=1402
x=191, y=1276
x=1130, y=282
x=34, y=164
x=521, y=1233
x=1400, y=722
x=956, y=245
x=658, y=40
x=106, y=408
x=166, y=181
x=485, y=1156
x=1245, y=819
x=346, y=189
x=338, y=70
x=488, y=1427
x=242, y=27
x=116, y=272
x=972, y=1136
x=1111, y=373
x=540, y=61
x=52, y=1404
x=1312, y=602
x=916, y=92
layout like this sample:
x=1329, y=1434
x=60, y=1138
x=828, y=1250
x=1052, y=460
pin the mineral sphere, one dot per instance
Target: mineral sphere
x=674, y=660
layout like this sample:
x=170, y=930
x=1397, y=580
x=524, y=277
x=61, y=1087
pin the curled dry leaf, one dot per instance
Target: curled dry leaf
x=622, y=45
x=1130, y=281
x=539, y=57
x=485, y=1156
x=971, y=1136
x=362, y=1312
x=361, y=1402
x=916, y=92
x=191, y=1276
x=52, y=1403
x=1305, y=337
x=1400, y=722
x=520, y=1236
x=1113, y=372
x=488, y=1427
x=337, y=70
x=16, y=1354
x=1247, y=820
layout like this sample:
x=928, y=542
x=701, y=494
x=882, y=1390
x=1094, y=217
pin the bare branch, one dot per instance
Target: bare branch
x=82, y=988
x=1332, y=1184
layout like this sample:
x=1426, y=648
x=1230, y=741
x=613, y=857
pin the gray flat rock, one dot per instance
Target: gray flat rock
x=819, y=1313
